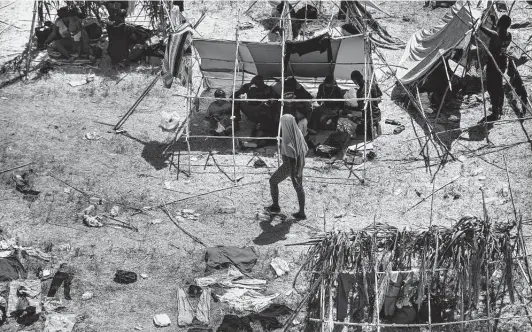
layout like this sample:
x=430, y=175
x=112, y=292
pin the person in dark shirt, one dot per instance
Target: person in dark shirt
x=255, y=111
x=325, y=114
x=375, y=92
x=498, y=45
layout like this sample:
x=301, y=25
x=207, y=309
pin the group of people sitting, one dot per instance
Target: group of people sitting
x=336, y=109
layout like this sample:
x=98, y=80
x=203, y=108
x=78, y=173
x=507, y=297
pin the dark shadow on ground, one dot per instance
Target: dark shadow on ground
x=153, y=152
x=272, y=234
x=448, y=122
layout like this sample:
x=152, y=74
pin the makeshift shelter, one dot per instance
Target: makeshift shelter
x=226, y=63
x=384, y=277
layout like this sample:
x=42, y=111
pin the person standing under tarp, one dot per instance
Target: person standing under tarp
x=499, y=42
x=293, y=151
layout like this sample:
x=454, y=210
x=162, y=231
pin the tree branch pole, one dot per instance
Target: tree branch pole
x=16, y=167
x=483, y=97
x=237, y=44
x=30, y=42
x=435, y=191
x=283, y=55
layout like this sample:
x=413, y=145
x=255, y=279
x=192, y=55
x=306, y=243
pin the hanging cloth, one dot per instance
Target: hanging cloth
x=321, y=43
x=173, y=64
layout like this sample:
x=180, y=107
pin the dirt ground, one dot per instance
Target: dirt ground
x=45, y=121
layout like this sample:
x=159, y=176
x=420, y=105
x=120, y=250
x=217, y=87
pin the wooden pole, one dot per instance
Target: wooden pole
x=30, y=42
x=283, y=55
x=233, y=95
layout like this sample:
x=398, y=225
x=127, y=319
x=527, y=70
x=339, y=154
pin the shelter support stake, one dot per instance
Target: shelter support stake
x=134, y=107
x=483, y=97
x=30, y=42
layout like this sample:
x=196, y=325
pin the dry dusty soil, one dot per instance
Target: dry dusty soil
x=45, y=120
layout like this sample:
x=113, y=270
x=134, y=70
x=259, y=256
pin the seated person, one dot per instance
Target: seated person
x=375, y=92
x=68, y=36
x=255, y=111
x=219, y=115
x=326, y=114
x=293, y=90
x=119, y=34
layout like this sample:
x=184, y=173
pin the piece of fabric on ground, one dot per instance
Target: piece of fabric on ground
x=61, y=278
x=233, y=323
x=268, y=318
x=60, y=322
x=173, y=64
x=186, y=313
x=11, y=269
x=247, y=300
x=24, y=294
x=223, y=256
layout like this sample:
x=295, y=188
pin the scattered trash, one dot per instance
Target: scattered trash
x=80, y=82
x=89, y=210
x=339, y=215
x=259, y=163
x=392, y=122
x=227, y=209
x=406, y=19
x=245, y=26
x=161, y=320
x=66, y=190
x=3, y=98
x=115, y=210
x=87, y=296
x=125, y=277
x=262, y=216
x=398, y=129
x=481, y=178
x=144, y=276
x=188, y=214
x=45, y=274
x=92, y=136
x=138, y=328
x=476, y=171
x=155, y=221
x=194, y=291
x=24, y=184
x=37, y=253
x=52, y=304
x=57, y=322
x=462, y=158
x=96, y=200
x=453, y=118
x=280, y=266
x=92, y=221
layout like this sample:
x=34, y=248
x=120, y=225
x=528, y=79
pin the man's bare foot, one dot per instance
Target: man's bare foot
x=299, y=215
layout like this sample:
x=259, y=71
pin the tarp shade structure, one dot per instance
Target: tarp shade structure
x=344, y=55
x=426, y=47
